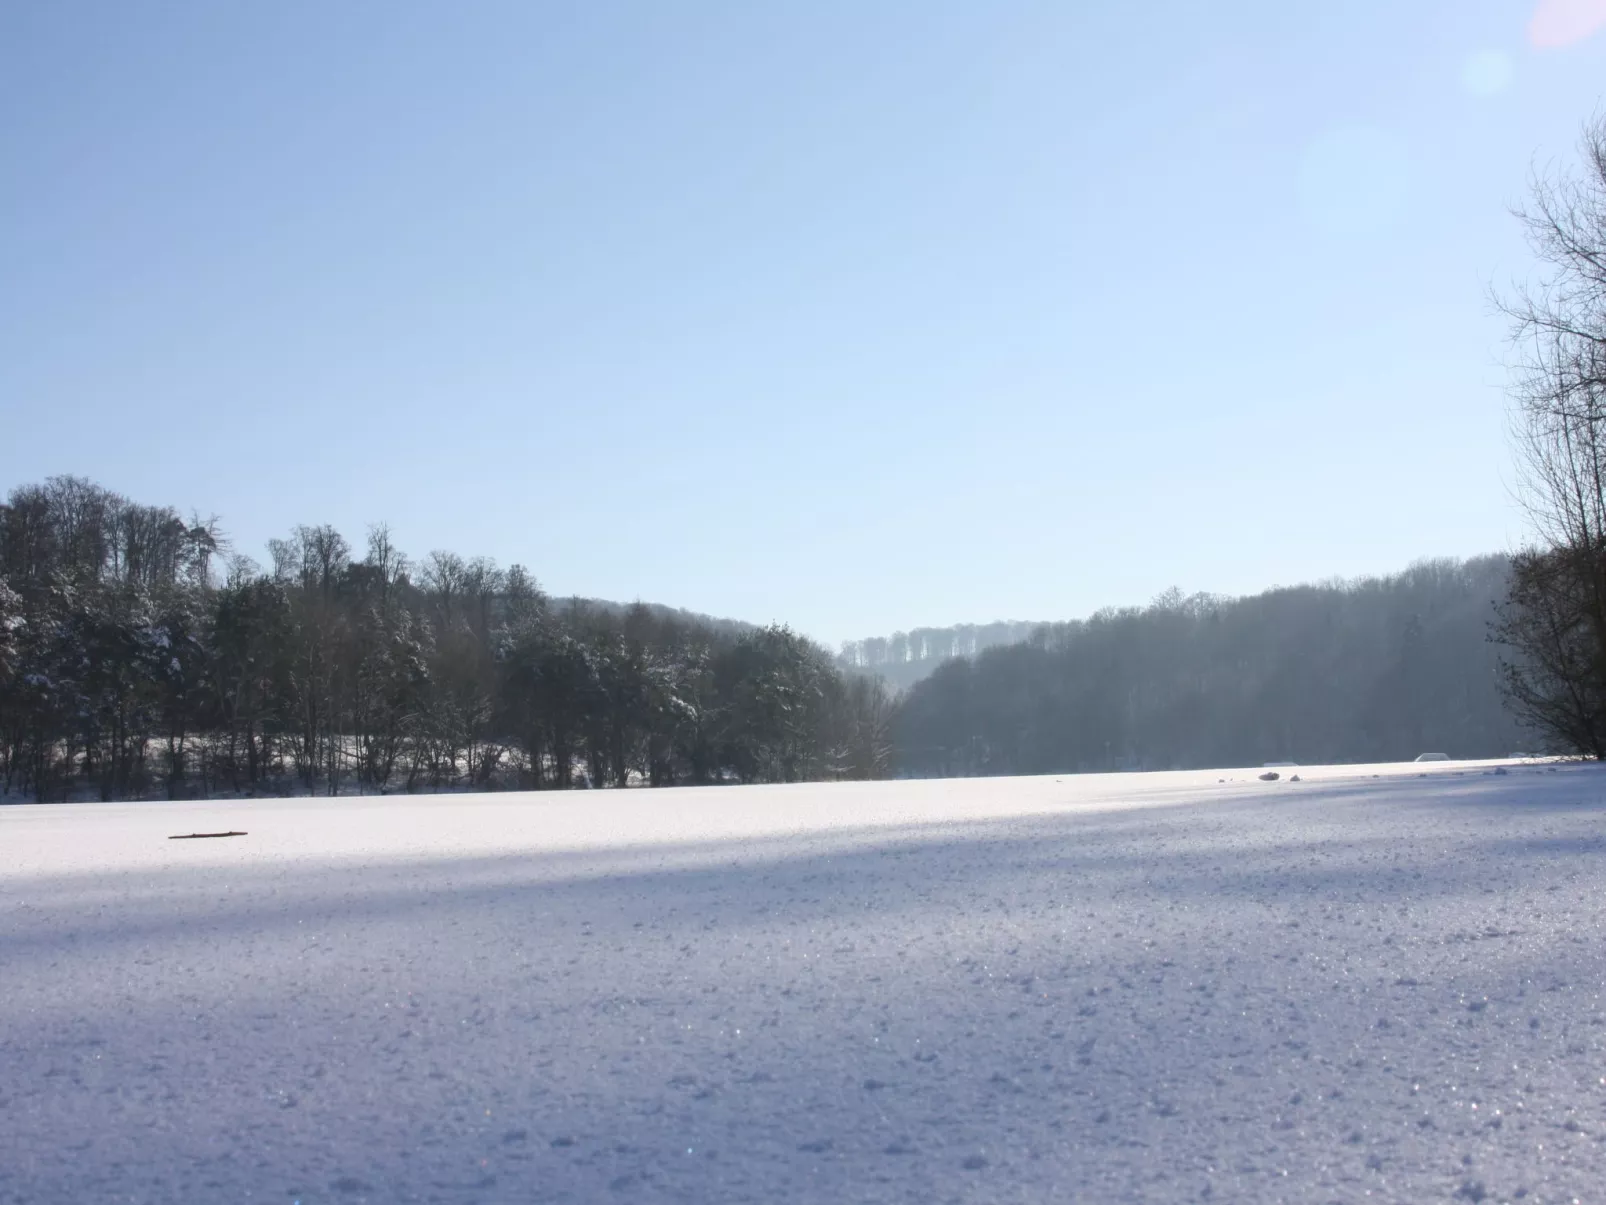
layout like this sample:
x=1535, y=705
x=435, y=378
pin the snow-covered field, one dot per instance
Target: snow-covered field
x=1367, y=985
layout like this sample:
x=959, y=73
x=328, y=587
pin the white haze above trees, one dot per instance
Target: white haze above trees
x=904, y=658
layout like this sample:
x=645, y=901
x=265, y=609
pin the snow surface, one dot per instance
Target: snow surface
x=1157, y=987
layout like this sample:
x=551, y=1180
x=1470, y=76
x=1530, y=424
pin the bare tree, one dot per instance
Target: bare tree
x=1559, y=686
x=1554, y=618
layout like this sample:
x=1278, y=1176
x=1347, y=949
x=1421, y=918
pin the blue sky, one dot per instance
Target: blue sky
x=859, y=316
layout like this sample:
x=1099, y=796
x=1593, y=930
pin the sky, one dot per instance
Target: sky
x=859, y=316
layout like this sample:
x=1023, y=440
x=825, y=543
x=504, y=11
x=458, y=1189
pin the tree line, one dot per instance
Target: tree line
x=1380, y=669
x=138, y=657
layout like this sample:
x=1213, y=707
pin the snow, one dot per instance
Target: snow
x=1377, y=983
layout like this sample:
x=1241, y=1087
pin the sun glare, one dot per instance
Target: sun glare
x=1563, y=22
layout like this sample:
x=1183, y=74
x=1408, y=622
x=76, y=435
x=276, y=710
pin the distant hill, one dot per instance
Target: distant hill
x=1376, y=669
x=904, y=658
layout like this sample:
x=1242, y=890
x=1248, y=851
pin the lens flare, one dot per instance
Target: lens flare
x=1486, y=73
x=1558, y=23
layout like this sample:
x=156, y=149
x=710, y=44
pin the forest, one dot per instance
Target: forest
x=1380, y=669
x=138, y=658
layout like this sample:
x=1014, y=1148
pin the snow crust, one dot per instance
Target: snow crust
x=1373, y=984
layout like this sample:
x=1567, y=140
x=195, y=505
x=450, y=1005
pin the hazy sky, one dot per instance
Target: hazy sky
x=858, y=315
